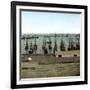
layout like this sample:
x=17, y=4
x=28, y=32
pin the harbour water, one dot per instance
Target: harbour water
x=28, y=41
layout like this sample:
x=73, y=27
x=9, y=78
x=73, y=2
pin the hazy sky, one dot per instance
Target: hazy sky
x=48, y=22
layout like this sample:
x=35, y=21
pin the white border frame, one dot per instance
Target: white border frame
x=52, y=79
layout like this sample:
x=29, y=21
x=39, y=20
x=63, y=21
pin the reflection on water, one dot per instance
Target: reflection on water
x=48, y=43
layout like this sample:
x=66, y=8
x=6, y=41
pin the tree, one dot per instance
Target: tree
x=35, y=45
x=26, y=46
x=69, y=46
x=44, y=47
x=35, y=48
x=78, y=45
x=72, y=46
x=50, y=45
x=31, y=48
x=62, y=46
x=55, y=46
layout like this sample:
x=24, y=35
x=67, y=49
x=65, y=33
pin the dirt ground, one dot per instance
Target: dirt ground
x=49, y=66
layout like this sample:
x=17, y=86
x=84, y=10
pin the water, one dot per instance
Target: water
x=46, y=38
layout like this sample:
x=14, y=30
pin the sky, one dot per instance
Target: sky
x=49, y=22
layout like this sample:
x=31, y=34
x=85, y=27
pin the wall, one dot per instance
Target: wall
x=5, y=45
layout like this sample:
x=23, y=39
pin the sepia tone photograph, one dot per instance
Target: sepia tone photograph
x=49, y=44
